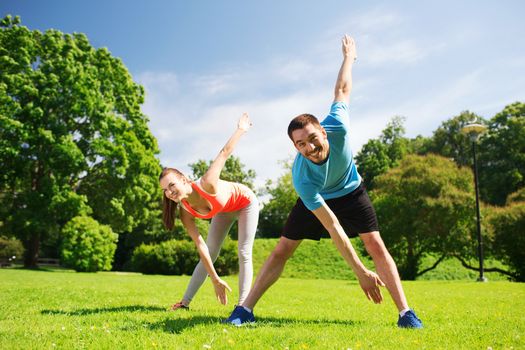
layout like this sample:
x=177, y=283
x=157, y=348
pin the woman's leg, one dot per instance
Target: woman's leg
x=248, y=219
x=219, y=227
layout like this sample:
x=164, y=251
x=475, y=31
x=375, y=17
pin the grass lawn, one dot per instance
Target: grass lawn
x=320, y=259
x=61, y=309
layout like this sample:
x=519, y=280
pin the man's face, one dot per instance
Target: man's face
x=312, y=143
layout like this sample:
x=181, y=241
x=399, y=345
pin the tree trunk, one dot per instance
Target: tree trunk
x=32, y=246
x=409, y=270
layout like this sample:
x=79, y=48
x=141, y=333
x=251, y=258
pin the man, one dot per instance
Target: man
x=332, y=198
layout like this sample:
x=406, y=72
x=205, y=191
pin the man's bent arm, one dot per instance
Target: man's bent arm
x=343, y=85
x=368, y=280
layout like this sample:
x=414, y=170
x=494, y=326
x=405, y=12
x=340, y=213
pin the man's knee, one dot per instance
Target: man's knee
x=374, y=244
x=284, y=249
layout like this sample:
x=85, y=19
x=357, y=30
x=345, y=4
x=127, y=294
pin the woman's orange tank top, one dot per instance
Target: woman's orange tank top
x=239, y=197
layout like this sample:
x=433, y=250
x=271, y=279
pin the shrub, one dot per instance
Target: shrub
x=227, y=262
x=87, y=246
x=10, y=248
x=177, y=257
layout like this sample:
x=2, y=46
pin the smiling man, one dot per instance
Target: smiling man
x=331, y=199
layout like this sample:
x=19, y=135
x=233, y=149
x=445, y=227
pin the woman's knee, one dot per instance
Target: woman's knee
x=245, y=256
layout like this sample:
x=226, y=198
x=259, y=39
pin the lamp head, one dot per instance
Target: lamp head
x=473, y=130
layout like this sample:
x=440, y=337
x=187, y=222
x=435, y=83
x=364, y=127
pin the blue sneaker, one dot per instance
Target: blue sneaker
x=409, y=320
x=240, y=316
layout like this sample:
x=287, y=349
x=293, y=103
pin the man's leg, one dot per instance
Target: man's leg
x=271, y=270
x=386, y=267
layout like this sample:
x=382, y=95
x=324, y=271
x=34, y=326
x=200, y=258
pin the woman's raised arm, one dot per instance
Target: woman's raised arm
x=210, y=179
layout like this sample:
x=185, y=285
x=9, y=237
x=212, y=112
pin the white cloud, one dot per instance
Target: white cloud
x=406, y=51
x=187, y=132
x=216, y=84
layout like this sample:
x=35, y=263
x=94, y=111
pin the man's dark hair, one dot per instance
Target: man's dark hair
x=300, y=122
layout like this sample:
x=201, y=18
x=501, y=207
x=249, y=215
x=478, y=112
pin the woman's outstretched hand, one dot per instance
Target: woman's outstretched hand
x=220, y=290
x=244, y=122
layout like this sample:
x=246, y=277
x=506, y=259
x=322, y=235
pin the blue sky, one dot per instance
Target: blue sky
x=203, y=63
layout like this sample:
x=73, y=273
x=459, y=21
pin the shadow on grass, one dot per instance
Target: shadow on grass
x=177, y=326
x=80, y=312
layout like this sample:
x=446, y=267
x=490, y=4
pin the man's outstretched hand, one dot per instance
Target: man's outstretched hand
x=349, y=47
x=370, y=283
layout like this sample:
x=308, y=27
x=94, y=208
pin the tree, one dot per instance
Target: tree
x=73, y=140
x=282, y=199
x=448, y=140
x=502, y=155
x=379, y=155
x=233, y=171
x=425, y=206
x=501, y=150
x=508, y=225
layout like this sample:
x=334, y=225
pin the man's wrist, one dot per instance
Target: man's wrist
x=360, y=271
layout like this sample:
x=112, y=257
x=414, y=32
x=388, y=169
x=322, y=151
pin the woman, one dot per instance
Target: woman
x=223, y=202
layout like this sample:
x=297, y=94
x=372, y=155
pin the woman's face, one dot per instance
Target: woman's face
x=174, y=187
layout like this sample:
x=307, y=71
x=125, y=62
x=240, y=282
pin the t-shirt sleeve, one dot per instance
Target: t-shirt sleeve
x=338, y=115
x=310, y=196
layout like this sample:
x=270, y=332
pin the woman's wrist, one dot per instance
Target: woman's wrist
x=215, y=278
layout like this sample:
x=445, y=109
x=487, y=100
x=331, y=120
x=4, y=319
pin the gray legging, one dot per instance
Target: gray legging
x=219, y=227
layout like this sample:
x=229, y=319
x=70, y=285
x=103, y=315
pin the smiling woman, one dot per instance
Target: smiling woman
x=169, y=194
x=221, y=201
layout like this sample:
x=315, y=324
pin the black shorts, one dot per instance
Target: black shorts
x=354, y=212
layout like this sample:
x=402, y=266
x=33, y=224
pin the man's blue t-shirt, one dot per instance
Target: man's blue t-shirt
x=337, y=176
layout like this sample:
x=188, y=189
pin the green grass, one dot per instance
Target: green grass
x=321, y=260
x=67, y=310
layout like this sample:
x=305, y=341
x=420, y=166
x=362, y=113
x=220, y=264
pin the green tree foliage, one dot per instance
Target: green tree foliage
x=379, y=155
x=73, y=140
x=500, y=151
x=87, y=246
x=508, y=225
x=282, y=199
x=502, y=155
x=10, y=249
x=425, y=206
x=233, y=171
x=518, y=196
x=450, y=142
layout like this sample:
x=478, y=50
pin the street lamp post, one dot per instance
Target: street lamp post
x=473, y=130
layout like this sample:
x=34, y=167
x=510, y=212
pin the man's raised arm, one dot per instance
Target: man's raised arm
x=343, y=85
